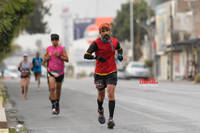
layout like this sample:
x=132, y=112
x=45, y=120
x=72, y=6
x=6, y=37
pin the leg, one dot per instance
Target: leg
x=111, y=105
x=52, y=88
x=100, y=85
x=100, y=99
x=59, y=81
x=111, y=97
x=58, y=89
x=38, y=79
x=58, y=93
x=22, y=85
x=111, y=82
x=26, y=90
x=35, y=75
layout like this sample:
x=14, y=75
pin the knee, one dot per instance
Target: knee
x=111, y=95
x=101, y=95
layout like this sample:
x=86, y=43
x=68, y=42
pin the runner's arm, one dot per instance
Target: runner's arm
x=33, y=61
x=119, y=49
x=120, y=52
x=31, y=66
x=19, y=66
x=64, y=57
x=45, y=59
x=88, y=55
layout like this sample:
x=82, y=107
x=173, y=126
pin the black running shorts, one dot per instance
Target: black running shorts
x=37, y=73
x=101, y=82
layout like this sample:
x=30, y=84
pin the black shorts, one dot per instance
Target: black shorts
x=58, y=79
x=101, y=82
x=37, y=73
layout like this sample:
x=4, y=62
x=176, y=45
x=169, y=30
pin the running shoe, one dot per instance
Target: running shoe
x=111, y=124
x=57, y=108
x=54, y=112
x=101, y=118
x=54, y=109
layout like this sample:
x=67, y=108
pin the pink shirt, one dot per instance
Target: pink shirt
x=55, y=64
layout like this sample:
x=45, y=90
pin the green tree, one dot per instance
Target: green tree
x=121, y=24
x=13, y=16
x=37, y=23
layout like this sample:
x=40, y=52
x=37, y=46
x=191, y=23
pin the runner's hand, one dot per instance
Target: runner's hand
x=100, y=58
x=56, y=54
x=19, y=69
x=120, y=57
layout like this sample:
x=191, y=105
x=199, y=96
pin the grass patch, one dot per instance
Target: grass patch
x=23, y=129
x=3, y=95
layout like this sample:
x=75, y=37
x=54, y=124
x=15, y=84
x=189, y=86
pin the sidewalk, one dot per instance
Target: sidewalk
x=179, y=82
x=3, y=120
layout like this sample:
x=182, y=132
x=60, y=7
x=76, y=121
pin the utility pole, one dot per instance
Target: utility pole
x=132, y=30
x=172, y=44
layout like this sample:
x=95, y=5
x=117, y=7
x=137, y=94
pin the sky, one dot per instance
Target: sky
x=79, y=8
x=82, y=8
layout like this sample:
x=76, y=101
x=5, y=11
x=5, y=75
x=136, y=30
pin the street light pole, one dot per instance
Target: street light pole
x=132, y=30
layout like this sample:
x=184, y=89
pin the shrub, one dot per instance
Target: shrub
x=197, y=78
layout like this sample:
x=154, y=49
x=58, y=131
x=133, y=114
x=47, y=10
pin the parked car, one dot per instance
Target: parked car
x=11, y=72
x=136, y=70
x=121, y=73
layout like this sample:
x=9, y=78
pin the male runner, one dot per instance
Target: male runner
x=55, y=57
x=37, y=67
x=106, y=70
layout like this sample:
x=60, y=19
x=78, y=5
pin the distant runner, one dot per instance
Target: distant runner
x=25, y=68
x=37, y=67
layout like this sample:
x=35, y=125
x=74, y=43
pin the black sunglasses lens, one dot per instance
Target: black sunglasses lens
x=104, y=29
x=54, y=39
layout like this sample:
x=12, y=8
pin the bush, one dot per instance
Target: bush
x=197, y=78
x=149, y=63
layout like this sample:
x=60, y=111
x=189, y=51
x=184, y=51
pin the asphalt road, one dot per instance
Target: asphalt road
x=163, y=108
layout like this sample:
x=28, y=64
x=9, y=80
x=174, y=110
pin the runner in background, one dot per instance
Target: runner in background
x=37, y=67
x=25, y=68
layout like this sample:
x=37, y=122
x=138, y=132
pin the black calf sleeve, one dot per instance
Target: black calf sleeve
x=111, y=105
x=53, y=101
x=57, y=100
x=100, y=103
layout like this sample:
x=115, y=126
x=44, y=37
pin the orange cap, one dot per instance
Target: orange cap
x=103, y=25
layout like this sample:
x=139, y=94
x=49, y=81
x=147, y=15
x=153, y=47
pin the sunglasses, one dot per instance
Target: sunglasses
x=54, y=39
x=105, y=29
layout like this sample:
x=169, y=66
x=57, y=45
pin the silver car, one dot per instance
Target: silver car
x=136, y=70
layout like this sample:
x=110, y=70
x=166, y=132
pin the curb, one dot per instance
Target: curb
x=3, y=120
